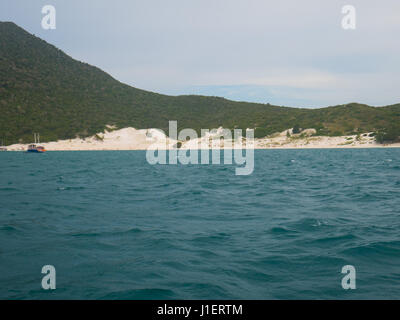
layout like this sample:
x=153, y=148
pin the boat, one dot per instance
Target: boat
x=34, y=147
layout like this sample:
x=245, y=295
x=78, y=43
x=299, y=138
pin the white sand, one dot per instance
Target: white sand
x=133, y=139
x=124, y=139
x=306, y=140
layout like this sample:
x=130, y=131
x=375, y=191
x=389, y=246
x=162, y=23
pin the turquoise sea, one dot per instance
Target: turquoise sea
x=115, y=227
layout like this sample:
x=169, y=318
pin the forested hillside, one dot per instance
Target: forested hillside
x=44, y=90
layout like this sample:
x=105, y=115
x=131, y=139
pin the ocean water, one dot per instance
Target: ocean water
x=115, y=227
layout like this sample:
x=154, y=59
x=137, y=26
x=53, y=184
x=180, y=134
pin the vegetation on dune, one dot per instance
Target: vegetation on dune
x=296, y=129
x=44, y=90
x=390, y=135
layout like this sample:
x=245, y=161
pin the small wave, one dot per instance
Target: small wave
x=108, y=233
x=308, y=224
x=389, y=249
x=70, y=188
x=8, y=228
x=204, y=290
x=214, y=238
x=261, y=194
x=282, y=230
x=141, y=294
x=8, y=189
x=336, y=238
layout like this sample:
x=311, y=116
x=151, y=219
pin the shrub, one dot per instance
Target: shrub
x=388, y=136
x=296, y=129
x=261, y=132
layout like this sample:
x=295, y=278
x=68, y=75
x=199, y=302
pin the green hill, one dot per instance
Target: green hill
x=44, y=90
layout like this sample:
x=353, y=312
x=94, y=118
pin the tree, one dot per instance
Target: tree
x=296, y=129
x=388, y=136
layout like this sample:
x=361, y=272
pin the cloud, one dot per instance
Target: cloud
x=296, y=51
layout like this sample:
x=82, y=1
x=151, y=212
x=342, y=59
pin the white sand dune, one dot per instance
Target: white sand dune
x=305, y=140
x=133, y=139
x=123, y=139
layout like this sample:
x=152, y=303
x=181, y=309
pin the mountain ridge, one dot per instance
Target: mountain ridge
x=44, y=90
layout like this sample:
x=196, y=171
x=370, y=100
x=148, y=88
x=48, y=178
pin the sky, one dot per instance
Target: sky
x=287, y=52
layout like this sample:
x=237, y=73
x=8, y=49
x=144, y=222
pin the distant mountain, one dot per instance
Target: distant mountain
x=44, y=90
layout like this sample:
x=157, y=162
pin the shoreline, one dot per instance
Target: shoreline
x=244, y=148
x=128, y=139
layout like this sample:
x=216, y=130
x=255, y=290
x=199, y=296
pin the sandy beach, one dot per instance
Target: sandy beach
x=143, y=139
